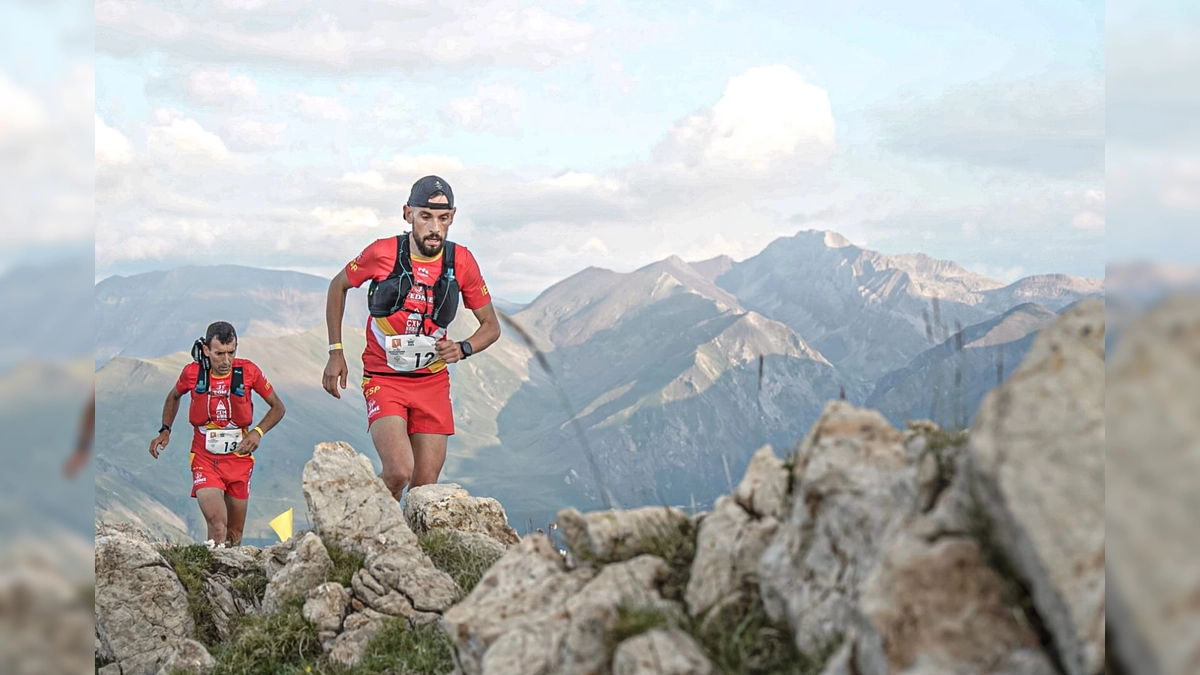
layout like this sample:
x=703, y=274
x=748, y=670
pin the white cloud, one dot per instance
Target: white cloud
x=322, y=107
x=767, y=115
x=177, y=138
x=999, y=273
x=112, y=148
x=20, y=111
x=353, y=220
x=492, y=108
x=213, y=87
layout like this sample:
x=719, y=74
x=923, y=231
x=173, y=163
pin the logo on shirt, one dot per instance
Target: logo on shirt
x=222, y=412
x=483, y=289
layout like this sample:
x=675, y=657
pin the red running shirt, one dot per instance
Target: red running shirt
x=376, y=262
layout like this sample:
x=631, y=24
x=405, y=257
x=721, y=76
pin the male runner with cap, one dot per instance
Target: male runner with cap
x=416, y=279
x=225, y=436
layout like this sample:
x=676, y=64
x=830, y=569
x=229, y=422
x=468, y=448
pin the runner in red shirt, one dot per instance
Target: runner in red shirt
x=405, y=380
x=224, y=435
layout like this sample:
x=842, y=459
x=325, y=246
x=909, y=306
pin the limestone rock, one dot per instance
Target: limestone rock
x=1152, y=493
x=763, y=490
x=308, y=566
x=613, y=536
x=448, y=507
x=326, y=606
x=400, y=577
x=852, y=487
x=729, y=548
x=521, y=600
x=141, y=607
x=660, y=652
x=188, y=656
x=351, y=507
x=1038, y=469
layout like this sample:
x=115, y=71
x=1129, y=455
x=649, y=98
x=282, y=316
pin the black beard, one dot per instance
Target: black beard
x=429, y=252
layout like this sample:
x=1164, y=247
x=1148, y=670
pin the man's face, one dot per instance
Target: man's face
x=429, y=226
x=220, y=355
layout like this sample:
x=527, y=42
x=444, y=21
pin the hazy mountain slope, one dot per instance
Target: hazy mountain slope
x=41, y=405
x=49, y=310
x=948, y=382
x=869, y=313
x=158, y=313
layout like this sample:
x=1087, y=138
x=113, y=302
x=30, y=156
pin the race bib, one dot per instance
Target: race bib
x=222, y=441
x=407, y=353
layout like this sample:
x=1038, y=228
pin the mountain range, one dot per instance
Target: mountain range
x=646, y=387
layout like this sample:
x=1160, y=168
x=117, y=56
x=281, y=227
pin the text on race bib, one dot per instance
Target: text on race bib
x=222, y=441
x=406, y=353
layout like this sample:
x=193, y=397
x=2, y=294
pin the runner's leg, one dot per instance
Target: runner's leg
x=390, y=434
x=212, y=505
x=429, y=454
x=236, y=508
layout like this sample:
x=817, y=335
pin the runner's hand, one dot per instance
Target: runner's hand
x=335, y=373
x=249, y=443
x=448, y=350
x=159, y=443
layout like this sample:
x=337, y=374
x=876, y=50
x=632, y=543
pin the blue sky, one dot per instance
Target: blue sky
x=268, y=133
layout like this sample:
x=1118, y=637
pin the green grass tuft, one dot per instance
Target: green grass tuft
x=345, y=564
x=741, y=639
x=466, y=564
x=278, y=644
x=190, y=562
x=400, y=649
x=677, y=546
x=633, y=621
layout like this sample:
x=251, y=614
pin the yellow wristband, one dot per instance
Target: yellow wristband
x=335, y=346
x=261, y=433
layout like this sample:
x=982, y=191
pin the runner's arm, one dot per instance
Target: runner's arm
x=488, y=331
x=275, y=414
x=335, y=306
x=171, y=407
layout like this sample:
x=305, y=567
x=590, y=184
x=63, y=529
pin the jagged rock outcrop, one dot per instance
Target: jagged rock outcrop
x=446, y=507
x=141, y=607
x=1037, y=468
x=191, y=657
x=220, y=586
x=614, y=536
x=308, y=565
x=852, y=486
x=351, y=506
x=1152, y=464
x=870, y=550
x=732, y=538
x=661, y=652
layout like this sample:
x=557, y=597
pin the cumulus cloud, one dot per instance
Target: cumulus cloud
x=766, y=116
x=112, y=148
x=180, y=140
x=493, y=108
x=212, y=87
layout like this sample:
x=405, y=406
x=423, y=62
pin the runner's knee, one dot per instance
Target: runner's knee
x=396, y=480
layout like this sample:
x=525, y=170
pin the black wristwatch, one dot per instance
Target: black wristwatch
x=165, y=427
x=466, y=347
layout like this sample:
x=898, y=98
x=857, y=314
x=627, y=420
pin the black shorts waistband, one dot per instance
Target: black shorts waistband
x=395, y=373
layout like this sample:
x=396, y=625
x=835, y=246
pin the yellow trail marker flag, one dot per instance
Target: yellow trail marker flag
x=282, y=524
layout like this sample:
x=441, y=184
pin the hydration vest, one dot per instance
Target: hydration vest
x=385, y=298
x=241, y=408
